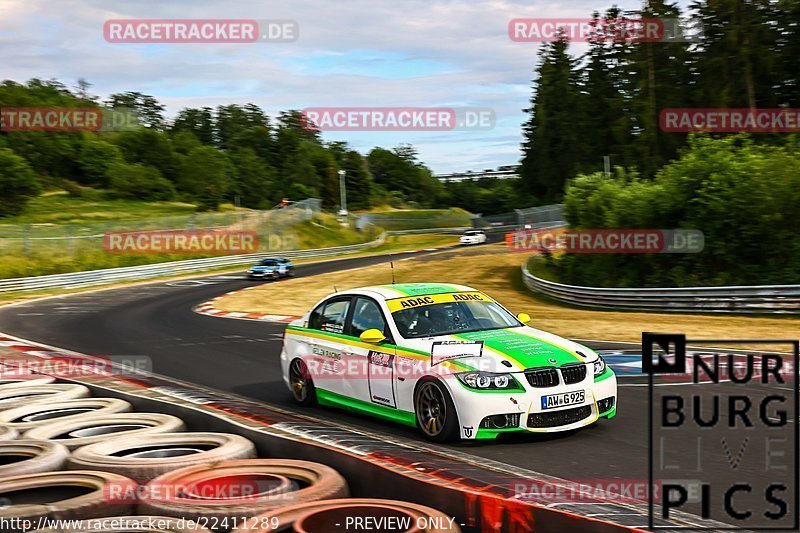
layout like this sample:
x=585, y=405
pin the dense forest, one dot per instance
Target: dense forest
x=206, y=156
x=606, y=102
x=742, y=191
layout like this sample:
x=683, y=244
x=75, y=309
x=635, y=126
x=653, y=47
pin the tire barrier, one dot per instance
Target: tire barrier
x=25, y=457
x=133, y=524
x=28, y=380
x=19, y=396
x=145, y=457
x=334, y=516
x=240, y=488
x=63, y=496
x=25, y=418
x=8, y=433
x=91, y=429
x=479, y=496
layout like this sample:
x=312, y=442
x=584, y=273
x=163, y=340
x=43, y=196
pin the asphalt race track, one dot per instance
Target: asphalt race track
x=241, y=356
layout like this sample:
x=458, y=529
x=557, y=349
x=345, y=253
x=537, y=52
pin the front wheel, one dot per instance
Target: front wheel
x=302, y=385
x=435, y=412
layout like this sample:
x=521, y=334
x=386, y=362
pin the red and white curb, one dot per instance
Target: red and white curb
x=209, y=308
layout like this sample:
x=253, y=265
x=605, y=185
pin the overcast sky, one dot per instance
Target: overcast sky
x=417, y=53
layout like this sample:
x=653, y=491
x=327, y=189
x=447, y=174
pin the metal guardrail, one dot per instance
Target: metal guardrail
x=767, y=299
x=141, y=272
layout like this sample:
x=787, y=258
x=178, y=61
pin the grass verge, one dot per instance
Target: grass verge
x=395, y=243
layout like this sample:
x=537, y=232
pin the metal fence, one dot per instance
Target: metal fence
x=422, y=219
x=59, y=240
x=135, y=273
x=535, y=217
x=766, y=299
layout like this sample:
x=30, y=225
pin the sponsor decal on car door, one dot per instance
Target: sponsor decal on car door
x=380, y=378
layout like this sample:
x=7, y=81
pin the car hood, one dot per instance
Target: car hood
x=263, y=268
x=510, y=349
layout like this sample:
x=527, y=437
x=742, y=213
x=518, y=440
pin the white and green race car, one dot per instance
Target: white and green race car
x=445, y=358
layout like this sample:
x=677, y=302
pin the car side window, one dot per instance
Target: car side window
x=367, y=315
x=330, y=315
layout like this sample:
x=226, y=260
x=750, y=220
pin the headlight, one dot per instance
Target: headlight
x=599, y=366
x=487, y=381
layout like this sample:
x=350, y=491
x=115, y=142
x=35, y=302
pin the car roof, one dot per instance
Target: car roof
x=403, y=290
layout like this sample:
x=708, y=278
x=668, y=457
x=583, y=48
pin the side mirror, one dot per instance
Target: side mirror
x=372, y=336
x=524, y=318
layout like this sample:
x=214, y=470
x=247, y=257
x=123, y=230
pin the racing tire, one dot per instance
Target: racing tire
x=301, y=384
x=28, y=380
x=272, y=483
x=25, y=418
x=65, y=496
x=25, y=457
x=145, y=457
x=90, y=429
x=435, y=412
x=321, y=516
x=8, y=433
x=133, y=524
x=20, y=396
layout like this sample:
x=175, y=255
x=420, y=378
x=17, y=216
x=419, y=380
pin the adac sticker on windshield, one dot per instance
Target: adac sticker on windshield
x=442, y=351
x=398, y=304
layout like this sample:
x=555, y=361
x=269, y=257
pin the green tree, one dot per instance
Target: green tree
x=149, y=147
x=138, y=181
x=205, y=176
x=233, y=120
x=95, y=158
x=551, y=132
x=661, y=75
x=199, y=122
x=255, y=179
x=742, y=195
x=146, y=107
x=18, y=183
x=738, y=57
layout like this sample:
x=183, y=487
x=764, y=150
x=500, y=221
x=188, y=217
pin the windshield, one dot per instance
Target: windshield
x=268, y=263
x=452, y=317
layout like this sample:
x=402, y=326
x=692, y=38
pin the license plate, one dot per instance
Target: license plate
x=563, y=399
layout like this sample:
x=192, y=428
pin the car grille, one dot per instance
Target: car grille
x=559, y=418
x=573, y=373
x=542, y=377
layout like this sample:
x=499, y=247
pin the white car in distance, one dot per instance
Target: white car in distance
x=473, y=237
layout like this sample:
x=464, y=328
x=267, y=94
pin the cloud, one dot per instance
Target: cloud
x=359, y=53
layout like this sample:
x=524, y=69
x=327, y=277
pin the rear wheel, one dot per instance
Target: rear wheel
x=302, y=385
x=435, y=412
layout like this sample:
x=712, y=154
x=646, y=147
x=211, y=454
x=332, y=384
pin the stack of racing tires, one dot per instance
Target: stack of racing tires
x=71, y=462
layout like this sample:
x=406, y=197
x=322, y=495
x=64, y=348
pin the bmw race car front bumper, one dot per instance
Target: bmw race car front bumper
x=486, y=414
